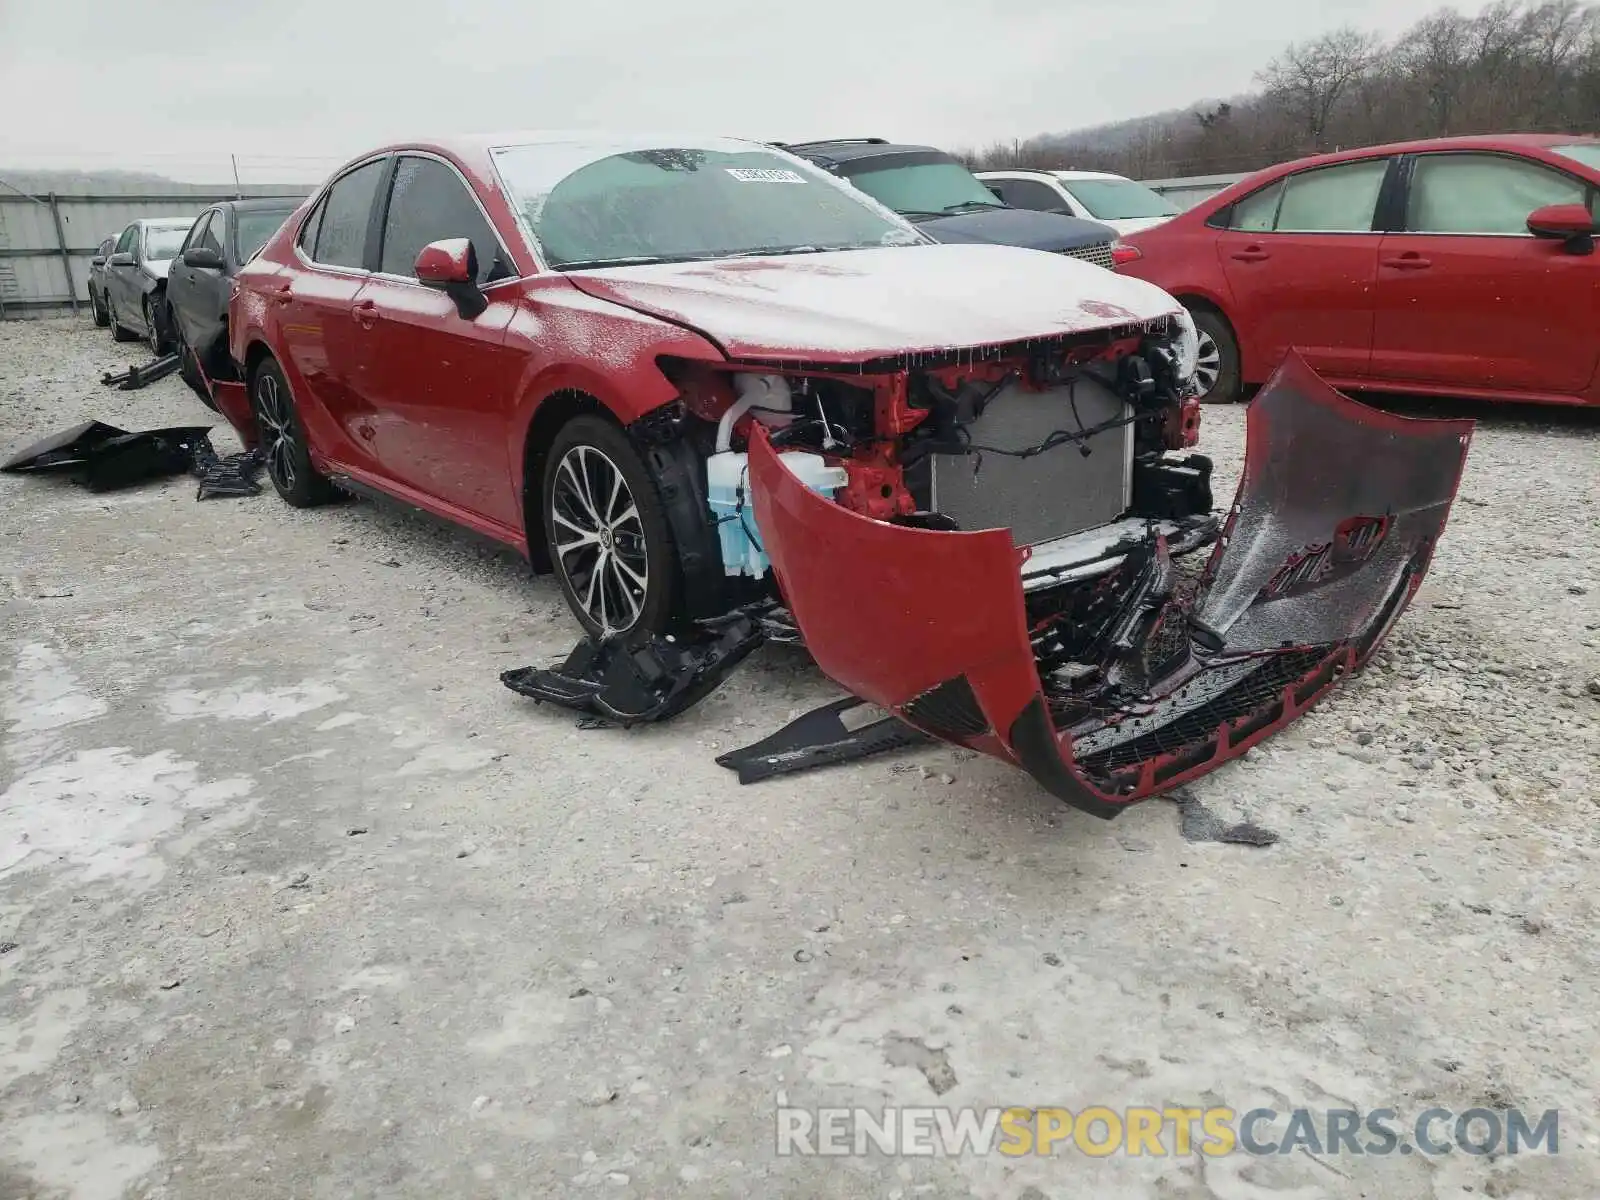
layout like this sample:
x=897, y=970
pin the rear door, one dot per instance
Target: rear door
x=1301, y=260
x=1468, y=298
x=182, y=280
x=314, y=304
x=441, y=386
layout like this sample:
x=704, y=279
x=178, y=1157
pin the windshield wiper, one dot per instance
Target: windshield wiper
x=629, y=260
x=967, y=204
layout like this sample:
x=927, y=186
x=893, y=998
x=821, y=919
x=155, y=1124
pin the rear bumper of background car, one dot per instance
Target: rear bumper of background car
x=1335, y=522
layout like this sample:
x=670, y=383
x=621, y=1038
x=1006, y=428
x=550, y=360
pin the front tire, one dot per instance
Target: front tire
x=97, y=303
x=606, y=531
x=1218, y=373
x=155, y=332
x=284, y=447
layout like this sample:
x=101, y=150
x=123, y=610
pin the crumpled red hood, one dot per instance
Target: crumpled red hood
x=861, y=304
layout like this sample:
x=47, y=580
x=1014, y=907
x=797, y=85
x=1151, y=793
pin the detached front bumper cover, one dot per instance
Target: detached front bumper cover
x=1338, y=512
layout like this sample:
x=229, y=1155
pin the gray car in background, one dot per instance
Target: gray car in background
x=136, y=280
x=97, y=282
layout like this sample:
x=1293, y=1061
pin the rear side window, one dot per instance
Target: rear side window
x=1258, y=212
x=1029, y=193
x=1483, y=193
x=342, y=226
x=429, y=203
x=1338, y=199
x=307, y=240
x=252, y=228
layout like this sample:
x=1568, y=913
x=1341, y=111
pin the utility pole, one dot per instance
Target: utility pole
x=238, y=192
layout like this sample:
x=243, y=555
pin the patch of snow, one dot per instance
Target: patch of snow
x=437, y=759
x=31, y=1043
x=75, y=1154
x=45, y=694
x=244, y=702
x=340, y=721
x=103, y=811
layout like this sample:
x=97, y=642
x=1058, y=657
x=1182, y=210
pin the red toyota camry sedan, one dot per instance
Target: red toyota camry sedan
x=1460, y=266
x=696, y=379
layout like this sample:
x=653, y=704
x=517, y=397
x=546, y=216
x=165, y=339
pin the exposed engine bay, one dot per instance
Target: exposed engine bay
x=991, y=546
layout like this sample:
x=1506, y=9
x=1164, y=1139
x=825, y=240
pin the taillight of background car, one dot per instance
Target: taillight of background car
x=1123, y=253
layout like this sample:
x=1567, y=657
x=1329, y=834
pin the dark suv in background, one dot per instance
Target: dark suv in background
x=951, y=204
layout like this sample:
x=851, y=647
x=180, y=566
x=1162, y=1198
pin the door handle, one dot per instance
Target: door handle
x=1251, y=254
x=283, y=294
x=1410, y=261
x=365, y=313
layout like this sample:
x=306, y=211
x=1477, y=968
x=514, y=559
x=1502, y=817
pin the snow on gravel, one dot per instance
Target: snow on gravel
x=296, y=899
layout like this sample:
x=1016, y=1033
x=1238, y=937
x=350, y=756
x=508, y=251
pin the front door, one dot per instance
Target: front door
x=1301, y=260
x=1468, y=298
x=121, y=277
x=441, y=388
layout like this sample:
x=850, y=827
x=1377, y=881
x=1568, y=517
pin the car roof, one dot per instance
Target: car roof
x=1064, y=176
x=285, y=204
x=844, y=150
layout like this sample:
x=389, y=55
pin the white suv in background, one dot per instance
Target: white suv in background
x=1112, y=200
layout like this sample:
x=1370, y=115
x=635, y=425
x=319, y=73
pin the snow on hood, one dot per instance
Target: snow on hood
x=157, y=268
x=861, y=304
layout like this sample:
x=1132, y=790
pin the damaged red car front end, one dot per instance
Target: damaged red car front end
x=1143, y=680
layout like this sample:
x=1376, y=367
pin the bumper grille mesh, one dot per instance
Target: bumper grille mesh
x=1099, y=254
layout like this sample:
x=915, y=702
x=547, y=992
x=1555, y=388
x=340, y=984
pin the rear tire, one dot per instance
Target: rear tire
x=606, y=531
x=118, y=333
x=284, y=447
x=155, y=325
x=1219, y=356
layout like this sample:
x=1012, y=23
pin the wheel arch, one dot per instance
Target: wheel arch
x=549, y=415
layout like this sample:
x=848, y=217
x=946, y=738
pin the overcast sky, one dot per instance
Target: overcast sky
x=174, y=82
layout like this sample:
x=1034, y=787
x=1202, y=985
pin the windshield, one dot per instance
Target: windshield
x=252, y=229
x=595, y=205
x=1588, y=153
x=163, y=241
x=1119, y=199
x=928, y=189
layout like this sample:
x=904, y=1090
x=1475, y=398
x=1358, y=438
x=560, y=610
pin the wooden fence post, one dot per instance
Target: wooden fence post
x=66, y=255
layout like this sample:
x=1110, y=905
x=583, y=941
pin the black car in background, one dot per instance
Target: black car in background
x=222, y=239
x=97, y=282
x=948, y=202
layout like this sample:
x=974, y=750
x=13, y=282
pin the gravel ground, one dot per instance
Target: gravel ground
x=297, y=901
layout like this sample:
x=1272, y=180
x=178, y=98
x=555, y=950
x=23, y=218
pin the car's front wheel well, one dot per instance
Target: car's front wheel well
x=254, y=356
x=553, y=412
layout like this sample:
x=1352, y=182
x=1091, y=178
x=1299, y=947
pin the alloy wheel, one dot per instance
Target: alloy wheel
x=1208, y=365
x=154, y=335
x=599, y=538
x=276, y=424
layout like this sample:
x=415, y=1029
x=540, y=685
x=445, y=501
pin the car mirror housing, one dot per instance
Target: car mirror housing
x=1569, y=223
x=123, y=258
x=452, y=266
x=99, y=260
x=203, y=258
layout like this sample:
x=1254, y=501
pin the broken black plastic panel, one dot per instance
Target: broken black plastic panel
x=103, y=458
x=820, y=738
x=628, y=681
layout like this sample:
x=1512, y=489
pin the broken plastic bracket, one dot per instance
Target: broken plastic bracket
x=820, y=738
x=626, y=681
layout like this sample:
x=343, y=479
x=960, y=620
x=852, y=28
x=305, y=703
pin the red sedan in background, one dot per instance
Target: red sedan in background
x=1462, y=266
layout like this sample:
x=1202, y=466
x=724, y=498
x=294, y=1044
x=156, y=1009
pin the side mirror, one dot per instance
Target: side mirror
x=451, y=265
x=203, y=258
x=99, y=260
x=1569, y=223
x=123, y=258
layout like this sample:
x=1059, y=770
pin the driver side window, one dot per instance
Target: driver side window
x=429, y=203
x=125, y=242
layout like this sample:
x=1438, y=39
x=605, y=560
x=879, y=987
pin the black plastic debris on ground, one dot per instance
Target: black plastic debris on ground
x=820, y=738
x=1197, y=823
x=104, y=458
x=137, y=377
x=230, y=475
x=628, y=681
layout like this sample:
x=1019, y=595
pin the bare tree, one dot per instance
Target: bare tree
x=1310, y=78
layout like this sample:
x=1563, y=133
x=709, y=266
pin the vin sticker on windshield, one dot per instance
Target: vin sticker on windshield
x=764, y=175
